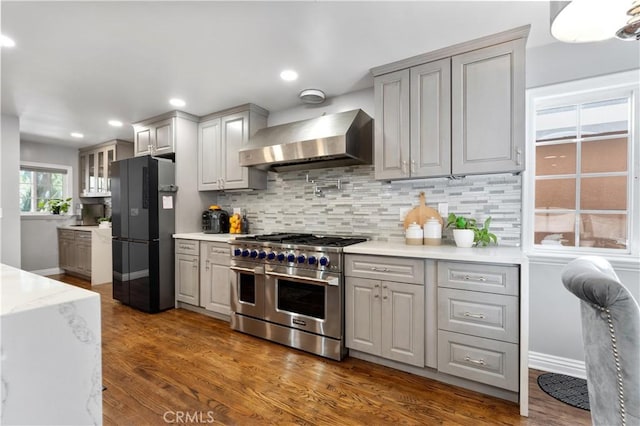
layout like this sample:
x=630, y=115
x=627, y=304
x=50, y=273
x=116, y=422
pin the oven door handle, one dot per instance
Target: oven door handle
x=258, y=270
x=335, y=282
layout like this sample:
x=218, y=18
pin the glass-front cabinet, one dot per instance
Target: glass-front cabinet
x=95, y=166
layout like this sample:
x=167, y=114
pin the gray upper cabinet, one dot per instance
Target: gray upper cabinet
x=455, y=111
x=392, y=125
x=220, y=137
x=158, y=135
x=95, y=166
x=488, y=92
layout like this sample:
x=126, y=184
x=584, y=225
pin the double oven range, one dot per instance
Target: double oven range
x=289, y=288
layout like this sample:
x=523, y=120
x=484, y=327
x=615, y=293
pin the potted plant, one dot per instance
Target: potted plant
x=104, y=222
x=55, y=205
x=466, y=232
x=463, y=229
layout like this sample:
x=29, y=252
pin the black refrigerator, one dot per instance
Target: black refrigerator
x=143, y=214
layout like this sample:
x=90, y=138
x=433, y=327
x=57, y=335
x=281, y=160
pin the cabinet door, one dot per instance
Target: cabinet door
x=83, y=256
x=142, y=140
x=431, y=119
x=187, y=279
x=210, y=164
x=215, y=288
x=163, y=137
x=403, y=322
x=109, y=156
x=84, y=181
x=363, y=315
x=488, y=110
x=235, y=134
x=392, y=125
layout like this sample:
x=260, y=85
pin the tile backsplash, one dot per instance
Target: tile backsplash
x=372, y=208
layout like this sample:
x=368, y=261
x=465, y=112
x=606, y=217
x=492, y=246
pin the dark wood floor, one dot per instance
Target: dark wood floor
x=182, y=367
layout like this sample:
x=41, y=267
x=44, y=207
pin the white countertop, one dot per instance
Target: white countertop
x=491, y=254
x=22, y=291
x=219, y=238
x=87, y=228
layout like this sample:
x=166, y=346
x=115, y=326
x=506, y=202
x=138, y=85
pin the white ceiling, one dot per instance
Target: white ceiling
x=78, y=64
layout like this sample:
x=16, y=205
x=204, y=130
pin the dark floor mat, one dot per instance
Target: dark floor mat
x=570, y=390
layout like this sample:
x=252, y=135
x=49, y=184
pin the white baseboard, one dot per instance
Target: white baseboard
x=556, y=364
x=50, y=271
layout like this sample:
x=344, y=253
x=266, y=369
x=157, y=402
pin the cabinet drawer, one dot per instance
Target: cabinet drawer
x=385, y=268
x=487, y=278
x=66, y=234
x=218, y=254
x=494, y=316
x=483, y=360
x=188, y=247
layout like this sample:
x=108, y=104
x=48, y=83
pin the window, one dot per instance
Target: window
x=40, y=182
x=583, y=194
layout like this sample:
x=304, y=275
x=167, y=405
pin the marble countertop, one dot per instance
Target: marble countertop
x=219, y=238
x=22, y=291
x=85, y=228
x=491, y=254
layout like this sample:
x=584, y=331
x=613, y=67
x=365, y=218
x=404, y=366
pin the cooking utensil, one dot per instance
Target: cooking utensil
x=421, y=213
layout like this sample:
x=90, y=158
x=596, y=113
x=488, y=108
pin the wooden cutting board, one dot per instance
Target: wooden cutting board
x=421, y=213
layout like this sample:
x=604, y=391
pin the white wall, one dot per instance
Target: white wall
x=38, y=234
x=555, y=330
x=9, y=195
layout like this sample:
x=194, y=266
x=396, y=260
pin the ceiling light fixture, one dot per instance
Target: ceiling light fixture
x=177, y=102
x=631, y=31
x=115, y=123
x=77, y=135
x=6, y=41
x=289, y=75
x=581, y=21
x=312, y=96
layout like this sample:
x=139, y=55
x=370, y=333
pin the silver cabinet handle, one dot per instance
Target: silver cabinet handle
x=404, y=167
x=207, y=264
x=375, y=269
x=469, y=277
x=471, y=315
x=518, y=156
x=413, y=166
x=195, y=263
x=474, y=361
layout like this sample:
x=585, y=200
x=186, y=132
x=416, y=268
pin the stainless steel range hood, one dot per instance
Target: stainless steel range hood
x=328, y=141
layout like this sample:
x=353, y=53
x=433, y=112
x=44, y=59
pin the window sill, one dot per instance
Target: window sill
x=617, y=260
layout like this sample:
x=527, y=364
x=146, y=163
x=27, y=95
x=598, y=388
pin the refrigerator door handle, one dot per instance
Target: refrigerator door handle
x=168, y=188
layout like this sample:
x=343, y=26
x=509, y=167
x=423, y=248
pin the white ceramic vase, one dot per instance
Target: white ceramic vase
x=463, y=237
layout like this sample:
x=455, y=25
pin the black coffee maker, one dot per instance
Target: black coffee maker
x=215, y=221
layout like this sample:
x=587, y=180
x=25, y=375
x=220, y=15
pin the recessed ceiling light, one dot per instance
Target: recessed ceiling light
x=77, y=135
x=177, y=102
x=115, y=123
x=289, y=75
x=6, y=41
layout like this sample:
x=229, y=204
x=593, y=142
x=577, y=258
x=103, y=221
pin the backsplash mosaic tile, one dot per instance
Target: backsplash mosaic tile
x=372, y=208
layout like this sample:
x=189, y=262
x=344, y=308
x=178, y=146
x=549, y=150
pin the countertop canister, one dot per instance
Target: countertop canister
x=413, y=235
x=432, y=232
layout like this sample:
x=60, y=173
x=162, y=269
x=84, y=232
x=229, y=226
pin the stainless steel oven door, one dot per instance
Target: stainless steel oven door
x=306, y=300
x=247, y=290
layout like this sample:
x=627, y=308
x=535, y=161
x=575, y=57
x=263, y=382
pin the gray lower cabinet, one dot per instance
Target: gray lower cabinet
x=74, y=252
x=384, y=316
x=455, y=111
x=478, y=322
x=188, y=271
x=214, y=277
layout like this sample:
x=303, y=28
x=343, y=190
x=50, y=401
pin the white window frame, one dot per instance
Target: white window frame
x=68, y=186
x=613, y=85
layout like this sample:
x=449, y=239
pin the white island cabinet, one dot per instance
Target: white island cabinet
x=51, y=368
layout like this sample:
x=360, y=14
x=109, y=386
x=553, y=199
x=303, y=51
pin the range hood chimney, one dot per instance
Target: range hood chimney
x=333, y=140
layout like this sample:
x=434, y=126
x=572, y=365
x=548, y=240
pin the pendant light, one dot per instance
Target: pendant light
x=581, y=21
x=631, y=31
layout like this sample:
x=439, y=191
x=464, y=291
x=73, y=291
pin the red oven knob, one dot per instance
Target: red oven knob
x=324, y=261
